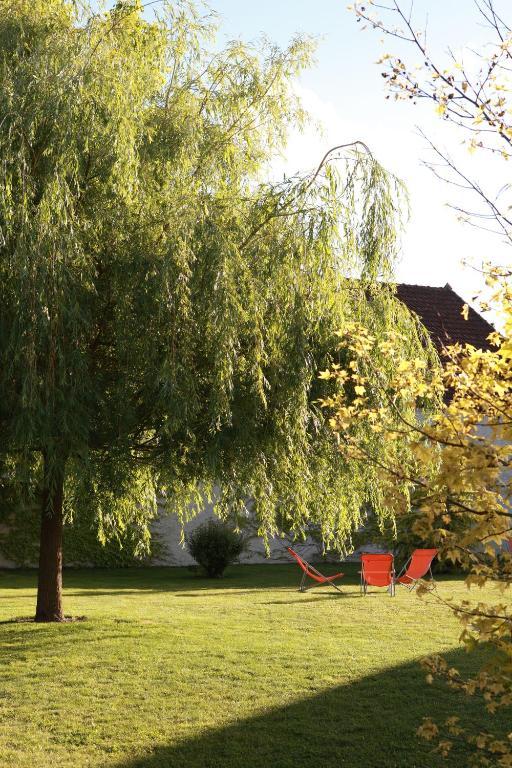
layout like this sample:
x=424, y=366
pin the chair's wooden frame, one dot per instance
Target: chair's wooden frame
x=314, y=574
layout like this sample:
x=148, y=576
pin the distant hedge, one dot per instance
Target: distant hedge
x=19, y=541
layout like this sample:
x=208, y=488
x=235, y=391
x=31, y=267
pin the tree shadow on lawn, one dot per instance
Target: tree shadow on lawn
x=20, y=641
x=371, y=722
x=252, y=578
x=159, y=579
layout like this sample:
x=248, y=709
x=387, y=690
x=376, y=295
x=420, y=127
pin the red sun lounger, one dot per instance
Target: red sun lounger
x=313, y=574
x=377, y=571
x=417, y=566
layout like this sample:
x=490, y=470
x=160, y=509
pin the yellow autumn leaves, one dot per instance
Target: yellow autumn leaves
x=442, y=442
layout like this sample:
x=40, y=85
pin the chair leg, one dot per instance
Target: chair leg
x=317, y=586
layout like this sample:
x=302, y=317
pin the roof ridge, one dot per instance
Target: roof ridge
x=432, y=287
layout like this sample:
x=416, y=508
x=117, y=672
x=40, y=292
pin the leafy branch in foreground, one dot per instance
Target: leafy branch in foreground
x=451, y=468
x=471, y=91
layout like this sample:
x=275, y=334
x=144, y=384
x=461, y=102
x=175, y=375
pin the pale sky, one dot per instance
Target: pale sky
x=346, y=93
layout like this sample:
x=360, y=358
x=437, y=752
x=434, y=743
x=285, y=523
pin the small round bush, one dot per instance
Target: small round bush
x=214, y=546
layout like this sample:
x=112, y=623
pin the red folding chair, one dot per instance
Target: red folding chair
x=417, y=566
x=309, y=570
x=377, y=571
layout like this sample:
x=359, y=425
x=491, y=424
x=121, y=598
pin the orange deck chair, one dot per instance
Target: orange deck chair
x=377, y=571
x=417, y=566
x=309, y=570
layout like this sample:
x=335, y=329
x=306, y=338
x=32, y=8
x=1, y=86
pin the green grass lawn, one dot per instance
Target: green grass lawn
x=174, y=671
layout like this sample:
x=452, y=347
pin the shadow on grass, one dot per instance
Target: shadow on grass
x=371, y=722
x=162, y=579
x=252, y=578
x=21, y=640
x=314, y=598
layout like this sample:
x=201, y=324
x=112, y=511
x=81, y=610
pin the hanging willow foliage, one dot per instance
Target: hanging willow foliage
x=164, y=310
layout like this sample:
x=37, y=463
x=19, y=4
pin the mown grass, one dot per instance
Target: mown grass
x=174, y=671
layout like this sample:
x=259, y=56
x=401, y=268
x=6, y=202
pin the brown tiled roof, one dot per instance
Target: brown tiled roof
x=439, y=309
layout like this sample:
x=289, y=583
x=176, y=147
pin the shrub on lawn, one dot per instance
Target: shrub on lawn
x=214, y=546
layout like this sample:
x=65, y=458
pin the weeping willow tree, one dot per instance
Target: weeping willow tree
x=164, y=310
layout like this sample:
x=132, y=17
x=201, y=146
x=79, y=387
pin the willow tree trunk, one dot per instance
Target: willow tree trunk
x=49, y=587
